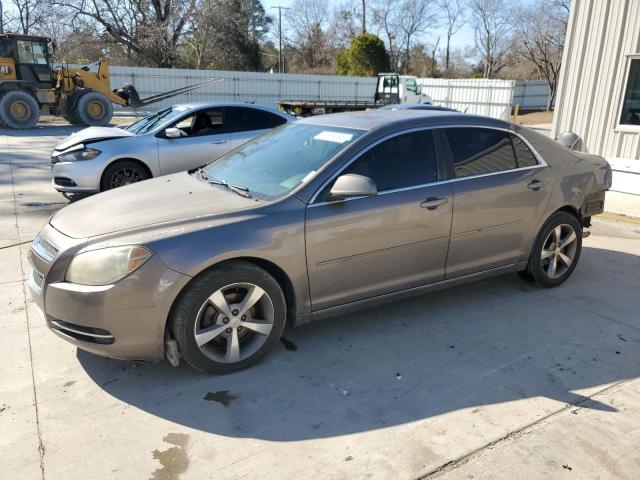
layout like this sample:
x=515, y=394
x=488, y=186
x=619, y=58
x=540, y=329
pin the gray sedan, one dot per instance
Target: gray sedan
x=315, y=218
x=177, y=138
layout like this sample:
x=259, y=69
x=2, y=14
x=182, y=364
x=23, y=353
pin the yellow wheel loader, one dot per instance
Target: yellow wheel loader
x=30, y=86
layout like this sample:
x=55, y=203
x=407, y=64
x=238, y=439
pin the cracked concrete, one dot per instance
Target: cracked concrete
x=491, y=380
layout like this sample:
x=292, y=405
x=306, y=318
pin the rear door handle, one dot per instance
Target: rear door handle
x=432, y=203
x=536, y=185
x=218, y=142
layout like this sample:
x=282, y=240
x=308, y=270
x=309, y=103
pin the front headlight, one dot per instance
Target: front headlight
x=105, y=266
x=81, y=154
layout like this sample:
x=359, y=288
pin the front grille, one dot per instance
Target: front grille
x=38, y=278
x=84, y=334
x=44, y=248
x=64, y=182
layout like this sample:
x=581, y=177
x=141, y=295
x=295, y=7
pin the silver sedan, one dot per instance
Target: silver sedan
x=177, y=138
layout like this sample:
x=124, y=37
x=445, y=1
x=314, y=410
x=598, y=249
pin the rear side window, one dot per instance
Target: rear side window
x=524, y=155
x=247, y=119
x=478, y=151
x=403, y=161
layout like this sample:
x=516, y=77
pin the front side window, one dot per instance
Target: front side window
x=412, y=86
x=150, y=122
x=631, y=104
x=403, y=161
x=478, y=151
x=524, y=155
x=248, y=119
x=32, y=52
x=204, y=122
x=275, y=163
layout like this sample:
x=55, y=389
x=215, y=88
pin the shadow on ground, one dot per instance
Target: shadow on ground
x=485, y=343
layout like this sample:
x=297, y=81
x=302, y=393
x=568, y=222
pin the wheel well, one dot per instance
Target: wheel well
x=271, y=268
x=134, y=160
x=572, y=210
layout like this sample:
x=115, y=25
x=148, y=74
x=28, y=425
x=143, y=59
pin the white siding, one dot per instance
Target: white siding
x=601, y=35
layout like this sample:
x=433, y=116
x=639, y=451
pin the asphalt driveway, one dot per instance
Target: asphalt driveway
x=495, y=379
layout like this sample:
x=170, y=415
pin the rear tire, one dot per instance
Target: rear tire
x=19, y=110
x=208, y=337
x=121, y=173
x=93, y=109
x=555, y=252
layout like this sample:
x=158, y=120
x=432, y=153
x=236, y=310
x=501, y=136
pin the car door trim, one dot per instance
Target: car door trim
x=541, y=163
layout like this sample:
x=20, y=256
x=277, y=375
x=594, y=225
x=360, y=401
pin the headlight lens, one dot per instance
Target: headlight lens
x=106, y=266
x=81, y=154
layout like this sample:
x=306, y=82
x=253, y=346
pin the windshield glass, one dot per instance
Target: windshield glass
x=148, y=123
x=277, y=162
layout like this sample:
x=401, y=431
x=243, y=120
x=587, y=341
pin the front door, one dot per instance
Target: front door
x=364, y=247
x=500, y=193
x=204, y=139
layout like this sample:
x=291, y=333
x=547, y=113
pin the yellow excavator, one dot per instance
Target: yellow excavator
x=30, y=86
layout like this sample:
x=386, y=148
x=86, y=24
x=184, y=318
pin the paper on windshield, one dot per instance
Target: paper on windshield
x=334, y=137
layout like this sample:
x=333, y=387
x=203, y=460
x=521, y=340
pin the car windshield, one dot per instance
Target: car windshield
x=148, y=123
x=275, y=163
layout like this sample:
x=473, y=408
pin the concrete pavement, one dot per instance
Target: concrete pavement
x=492, y=380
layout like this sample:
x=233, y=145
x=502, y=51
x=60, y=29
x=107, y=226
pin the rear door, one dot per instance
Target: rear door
x=363, y=247
x=205, y=137
x=247, y=123
x=500, y=192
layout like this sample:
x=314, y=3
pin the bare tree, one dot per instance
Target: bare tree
x=399, y=22
x=454, y=20
x=540, y=40
x=307, y=24
x=151, y=29
x=493, y=23
x=25, y=15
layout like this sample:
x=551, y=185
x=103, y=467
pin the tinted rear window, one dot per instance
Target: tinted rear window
x=524, y=155
x=247, y=119
x=478, y=151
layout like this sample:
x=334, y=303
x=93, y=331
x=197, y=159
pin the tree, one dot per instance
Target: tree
x=307, y=23
x=28, y=14
x=493, y=25
x=400, y=21
x=151, y=29
x=366, y=57
x=540, y=40
x=454, y=20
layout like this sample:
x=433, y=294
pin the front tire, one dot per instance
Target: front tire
x=19, y=110
x=229, y=318
x=556, y=251
x=121, y=173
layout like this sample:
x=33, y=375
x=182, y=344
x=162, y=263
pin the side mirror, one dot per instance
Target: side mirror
x=352, y=185
x=172, y=133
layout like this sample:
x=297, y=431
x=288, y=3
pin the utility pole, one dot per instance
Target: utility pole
x=280, y=64
x=1, y=18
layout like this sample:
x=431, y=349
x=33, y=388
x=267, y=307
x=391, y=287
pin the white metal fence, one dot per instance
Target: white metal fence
x=493, y=98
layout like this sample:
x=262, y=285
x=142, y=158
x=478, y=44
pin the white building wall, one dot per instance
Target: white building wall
x=601, y=35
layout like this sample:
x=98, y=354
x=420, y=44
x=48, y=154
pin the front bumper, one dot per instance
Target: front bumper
x=78, y=177
x=125, y=320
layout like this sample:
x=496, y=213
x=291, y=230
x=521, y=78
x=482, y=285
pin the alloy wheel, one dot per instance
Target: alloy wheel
x=125, y=176
x=234, y=322
x=558, y=251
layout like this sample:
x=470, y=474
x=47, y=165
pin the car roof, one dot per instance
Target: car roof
x=257, y=106
x=416, y=106
x=372, y=119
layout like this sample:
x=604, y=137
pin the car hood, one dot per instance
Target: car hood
x=161, y=200
x=92, y=134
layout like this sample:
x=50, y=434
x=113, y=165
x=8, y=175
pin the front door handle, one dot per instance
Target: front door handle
x=536, y=185
x=432, y=203
x=218, y=142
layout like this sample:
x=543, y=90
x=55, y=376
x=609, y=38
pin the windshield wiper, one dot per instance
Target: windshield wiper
x=239, y=189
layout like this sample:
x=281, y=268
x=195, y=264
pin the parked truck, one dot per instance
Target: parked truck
x=391, y=88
